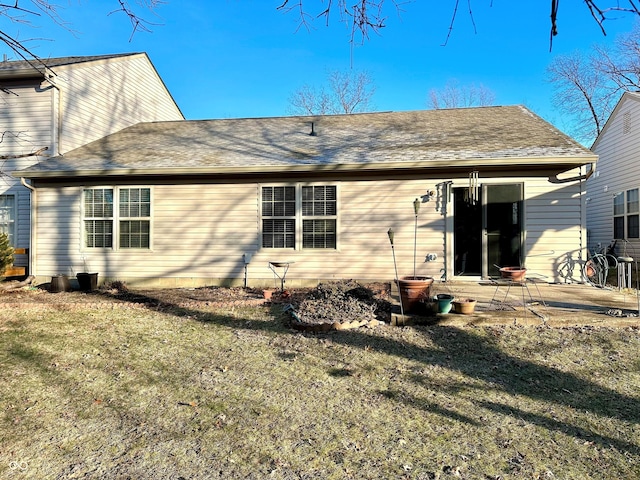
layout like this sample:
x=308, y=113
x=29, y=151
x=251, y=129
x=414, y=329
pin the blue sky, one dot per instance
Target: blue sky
x=244, y=58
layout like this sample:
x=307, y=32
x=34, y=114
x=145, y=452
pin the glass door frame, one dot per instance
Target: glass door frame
x=484, y=234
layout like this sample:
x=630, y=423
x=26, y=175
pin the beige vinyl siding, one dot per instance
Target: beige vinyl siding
x=554, y=232
x=366, y=212
x=617, y=170
x=91, y=100
x=56, y=233
x=25, y=122
x=200, y=233
x=102, y=97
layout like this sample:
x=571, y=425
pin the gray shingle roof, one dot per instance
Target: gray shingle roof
x=37, y=65
x=484, y=136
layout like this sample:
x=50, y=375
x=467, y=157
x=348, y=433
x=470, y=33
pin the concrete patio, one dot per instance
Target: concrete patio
x=555, y=305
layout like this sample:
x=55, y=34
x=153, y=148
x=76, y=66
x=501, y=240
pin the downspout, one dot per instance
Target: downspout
x=57, y=118
x=583, y=217
x=32, y=224
x=56, y=124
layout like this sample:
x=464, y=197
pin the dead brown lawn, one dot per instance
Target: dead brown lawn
x=205, y=390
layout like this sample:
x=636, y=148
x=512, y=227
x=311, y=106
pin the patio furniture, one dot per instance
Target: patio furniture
x=284, y=265
x=624, y=272
x=506, y=284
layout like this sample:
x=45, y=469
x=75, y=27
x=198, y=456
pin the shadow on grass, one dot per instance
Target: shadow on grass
x=473, y=356
x=427, y=406
x=479, y=359
x=562, y=427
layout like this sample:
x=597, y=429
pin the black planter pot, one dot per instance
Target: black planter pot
x=88, y=282
x=59, y=283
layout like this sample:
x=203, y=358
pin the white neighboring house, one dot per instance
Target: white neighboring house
x=60, y=104
x=613, y=189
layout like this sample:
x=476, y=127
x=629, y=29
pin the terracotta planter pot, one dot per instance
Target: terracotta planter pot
x=267, y=294
x=465, y=306
x=515, y=274
x=413, y=292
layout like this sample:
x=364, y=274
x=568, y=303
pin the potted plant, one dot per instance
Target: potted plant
x=464, y=306
x=515, y=274
x=414, y=290
x=445, y=301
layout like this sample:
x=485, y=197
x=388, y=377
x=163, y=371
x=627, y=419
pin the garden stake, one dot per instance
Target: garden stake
x=416, y=208
x=395, y=266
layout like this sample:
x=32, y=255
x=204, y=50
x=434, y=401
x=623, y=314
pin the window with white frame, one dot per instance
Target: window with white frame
x=122, y=213
x=299, y=217
x=626, y=214
x=8, y=216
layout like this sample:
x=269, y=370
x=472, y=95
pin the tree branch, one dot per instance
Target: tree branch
x=23, y=155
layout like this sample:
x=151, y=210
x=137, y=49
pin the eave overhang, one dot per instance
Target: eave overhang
x=518, y=165
x=21, y=74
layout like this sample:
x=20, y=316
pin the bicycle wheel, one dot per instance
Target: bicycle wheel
x=606, y=262
x=612, y=261
x=593, y=271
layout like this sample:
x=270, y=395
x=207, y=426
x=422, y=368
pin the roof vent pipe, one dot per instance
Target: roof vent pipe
x=313, y=132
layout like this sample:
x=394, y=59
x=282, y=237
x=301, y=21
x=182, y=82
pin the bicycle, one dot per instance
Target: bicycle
x=596, y=269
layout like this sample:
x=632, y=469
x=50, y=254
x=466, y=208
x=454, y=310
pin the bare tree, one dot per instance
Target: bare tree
x=345, y=92
x=586, y=87
x=370, y=16
x=580, y=92
x=620, y=64
x=27, y=12
x=454, y=95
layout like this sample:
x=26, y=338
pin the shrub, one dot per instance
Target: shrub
x=6, y=253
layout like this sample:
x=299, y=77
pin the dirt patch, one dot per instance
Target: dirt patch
x=336, y=302
x=343, y=302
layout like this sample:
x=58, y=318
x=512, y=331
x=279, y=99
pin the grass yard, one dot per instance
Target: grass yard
x=195, y=393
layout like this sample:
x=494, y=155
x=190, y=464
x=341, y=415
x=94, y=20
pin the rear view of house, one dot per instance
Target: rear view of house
x=214, y=202
x=52, y=106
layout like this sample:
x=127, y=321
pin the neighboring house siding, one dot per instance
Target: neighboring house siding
x=200, y=233
x=102, y=97
x=57, y=227
x=617, y=170
x=89, y=100
x=23, y=213
x=25, y=123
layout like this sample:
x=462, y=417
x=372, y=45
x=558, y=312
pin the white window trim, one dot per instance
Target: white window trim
x=624, y=215
x=298, y=216
x=116, y=219
x=14, y=216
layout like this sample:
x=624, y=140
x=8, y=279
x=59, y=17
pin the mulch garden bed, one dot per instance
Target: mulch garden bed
x=335, y=305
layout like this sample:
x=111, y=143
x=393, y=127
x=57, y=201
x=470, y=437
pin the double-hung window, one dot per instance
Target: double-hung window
x=300, y=216
x=626, y=214
x=117, y=217
x=319, y=210
x=8, y=216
